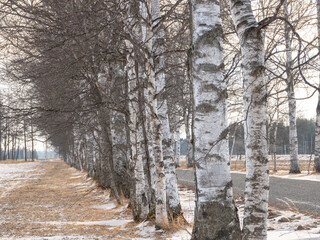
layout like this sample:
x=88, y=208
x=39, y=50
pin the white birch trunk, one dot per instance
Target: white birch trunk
x=177, y=142
x=156, y=126
x=167, y=146
x=119, y=146
x=138, y=195
x=233, y=142
x=317, y=136
x=170, y=167
x=188, y=138
x=274, y=151
x=257, y=170
x=139, y=201
x=215, y=213
x=152, y=171
x=118, y=130
x=293, y=138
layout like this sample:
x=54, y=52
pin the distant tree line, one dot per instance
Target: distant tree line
x=19, y=154
x=305, y=132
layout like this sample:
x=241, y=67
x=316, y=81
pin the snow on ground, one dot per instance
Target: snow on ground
x=14, y=175
x=105, y=206
x=282, y=225
x=113, y=222
x=15, y=170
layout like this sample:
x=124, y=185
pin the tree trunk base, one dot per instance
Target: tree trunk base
x=294, y=171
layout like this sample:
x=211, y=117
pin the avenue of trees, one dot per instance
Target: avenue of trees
x=111, y=82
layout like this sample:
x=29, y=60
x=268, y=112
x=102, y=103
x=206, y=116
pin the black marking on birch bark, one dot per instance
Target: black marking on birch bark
x=216, y=157
x=208, y=37
x=258, y=69
x=205, y=108
x=211, y=68
x=215, y=222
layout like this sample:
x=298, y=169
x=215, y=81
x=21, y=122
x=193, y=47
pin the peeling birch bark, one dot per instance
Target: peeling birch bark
x=151, y=165
x=140, y=207
x=118, y=129
x=188, y=138
x=138, y=194
x=274, y=147
x=177, y=142
x=156, y=126
x=257, y=169
x=215, y=212
x=158, y=59
x=293, y=137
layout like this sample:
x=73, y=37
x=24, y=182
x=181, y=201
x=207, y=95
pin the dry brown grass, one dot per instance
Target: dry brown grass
x=10, y=161
x=49, y=206
x=283, y=166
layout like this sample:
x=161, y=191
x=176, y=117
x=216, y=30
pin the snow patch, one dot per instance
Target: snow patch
x=74, y=177
x=278, y=230
x=77, y=237
x=113, y=223
x=293, y=235
x=108, y=206
x=14, y=175
x=181, y=235
x=146, y=230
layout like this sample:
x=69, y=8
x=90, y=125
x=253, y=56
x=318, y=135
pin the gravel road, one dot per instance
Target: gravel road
x=300, y=195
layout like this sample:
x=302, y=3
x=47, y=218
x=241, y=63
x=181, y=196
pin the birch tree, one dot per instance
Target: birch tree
x=317, y=136
x=293, y=144
x=177, y=140
x=138, y=196
x=167, y=145
x=257, y=169
x=156, y=124
x=215, y=213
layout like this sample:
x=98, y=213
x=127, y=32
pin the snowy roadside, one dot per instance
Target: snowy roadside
x=15, y=175
x=282, y=225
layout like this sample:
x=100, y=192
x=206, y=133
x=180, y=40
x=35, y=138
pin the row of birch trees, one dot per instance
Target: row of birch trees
x=113, y=81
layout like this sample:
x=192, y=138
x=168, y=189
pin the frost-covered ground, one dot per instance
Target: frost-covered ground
x=49, y=200
x=15, y=175
x=282, y=225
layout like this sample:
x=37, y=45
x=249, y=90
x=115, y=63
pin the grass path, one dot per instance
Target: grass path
x=55, y=201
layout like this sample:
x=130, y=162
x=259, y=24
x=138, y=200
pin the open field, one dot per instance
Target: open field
x=283, y=164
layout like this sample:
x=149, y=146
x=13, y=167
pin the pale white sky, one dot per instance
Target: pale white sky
x=306, y=108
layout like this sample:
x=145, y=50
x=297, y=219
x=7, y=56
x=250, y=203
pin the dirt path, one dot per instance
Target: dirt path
x=54, y=201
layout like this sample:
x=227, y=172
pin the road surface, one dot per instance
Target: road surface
x=300, y=195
